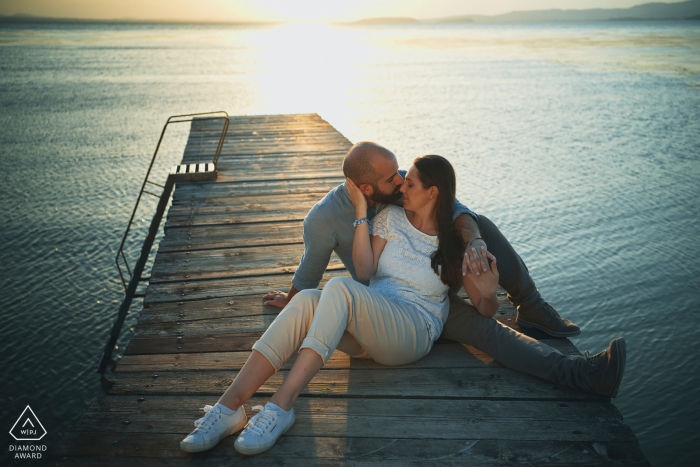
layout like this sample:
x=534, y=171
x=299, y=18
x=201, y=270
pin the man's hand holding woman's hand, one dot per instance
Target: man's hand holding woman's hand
x=476, y=262
x=487, y=281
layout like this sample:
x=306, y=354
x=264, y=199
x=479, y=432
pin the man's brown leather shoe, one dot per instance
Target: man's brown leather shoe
x=544, y=317
x=605, y=369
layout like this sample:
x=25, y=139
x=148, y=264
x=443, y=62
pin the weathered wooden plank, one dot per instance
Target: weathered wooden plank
x=222, y=308
x=243, y=162
x=259, y=122
x=195, y=326
x=312, y=461
x=258, y=119
x=189, y=406
x=237, y=142
x=277, y=122
x=242, y=204
x=448, y=355
x=230, y=154
x=180, y=341
x=95, y=448
x=442, y=356
x=235, y=128
x=236, y=218
x=289, y=135
x=479, y=383
x=272, y=146
x=251, y=305
x=210, y=327
x=308, y=149
x=389, y=418
x=233, y=156
x=235, y=147
x=301, y=174
x=231, y=236
x=192, y=344
x=218, y=189
x=316, y=445
x=200, y=290
x=231, y=262
x=267, y=133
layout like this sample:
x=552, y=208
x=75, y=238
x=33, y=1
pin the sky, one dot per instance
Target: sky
x=285, y=10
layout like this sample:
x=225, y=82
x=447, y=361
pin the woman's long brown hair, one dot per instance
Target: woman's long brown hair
x=446, y=261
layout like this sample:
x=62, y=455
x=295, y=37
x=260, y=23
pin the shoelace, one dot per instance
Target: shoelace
x=550, y=309
x=590, y=361
x=207, y=421
x=262, y=421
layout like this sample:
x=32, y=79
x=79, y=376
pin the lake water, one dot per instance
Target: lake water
x=581, y=141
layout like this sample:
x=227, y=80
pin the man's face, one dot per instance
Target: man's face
x=386, y=189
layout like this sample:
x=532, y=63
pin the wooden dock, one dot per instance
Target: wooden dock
x=228, y=242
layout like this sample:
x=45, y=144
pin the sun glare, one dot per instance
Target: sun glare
x=309, y=66
x=308, y=10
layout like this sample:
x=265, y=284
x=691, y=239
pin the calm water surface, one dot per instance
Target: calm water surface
x=580, y=141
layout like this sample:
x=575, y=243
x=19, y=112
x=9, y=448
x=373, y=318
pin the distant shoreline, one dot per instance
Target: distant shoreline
x=368, y=22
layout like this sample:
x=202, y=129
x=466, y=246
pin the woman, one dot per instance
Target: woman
x=412, y=255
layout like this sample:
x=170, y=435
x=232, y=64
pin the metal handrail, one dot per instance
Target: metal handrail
x=136, y=277
x=173, y=119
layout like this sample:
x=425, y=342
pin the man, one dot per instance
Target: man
x=329, y=227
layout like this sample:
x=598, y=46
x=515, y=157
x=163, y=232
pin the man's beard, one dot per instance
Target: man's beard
x=385, y=198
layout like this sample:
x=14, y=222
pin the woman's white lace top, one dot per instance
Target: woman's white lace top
x=404, y=273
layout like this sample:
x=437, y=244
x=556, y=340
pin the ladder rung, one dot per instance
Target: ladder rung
x=192, y=168
x=152, y=194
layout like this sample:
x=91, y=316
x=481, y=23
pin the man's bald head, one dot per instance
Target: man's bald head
x=359, y=161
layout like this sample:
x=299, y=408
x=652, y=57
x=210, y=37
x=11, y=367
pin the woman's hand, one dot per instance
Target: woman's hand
x=486, y=282
x=482, y=287
x=356, y=196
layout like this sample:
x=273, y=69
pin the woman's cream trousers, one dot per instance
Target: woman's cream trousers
x=350, y=317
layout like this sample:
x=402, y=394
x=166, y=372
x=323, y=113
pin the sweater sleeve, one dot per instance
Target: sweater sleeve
x=460, y=209
x=319, y=242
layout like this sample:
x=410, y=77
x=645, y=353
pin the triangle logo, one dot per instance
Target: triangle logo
x=28, y=427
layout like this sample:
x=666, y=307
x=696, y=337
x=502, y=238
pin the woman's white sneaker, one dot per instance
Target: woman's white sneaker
x=264, y=429
x=218, y=423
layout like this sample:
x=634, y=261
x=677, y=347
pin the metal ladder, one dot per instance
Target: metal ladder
x=177, y=173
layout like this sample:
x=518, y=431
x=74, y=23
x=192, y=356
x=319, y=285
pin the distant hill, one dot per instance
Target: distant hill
x=646, y=12
x=387, y=20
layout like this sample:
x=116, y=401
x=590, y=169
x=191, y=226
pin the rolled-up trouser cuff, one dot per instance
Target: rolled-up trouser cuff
x=317, y=346
x=270, y=354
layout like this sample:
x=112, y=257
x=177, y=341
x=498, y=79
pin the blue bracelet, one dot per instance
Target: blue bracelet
x=359, y=221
